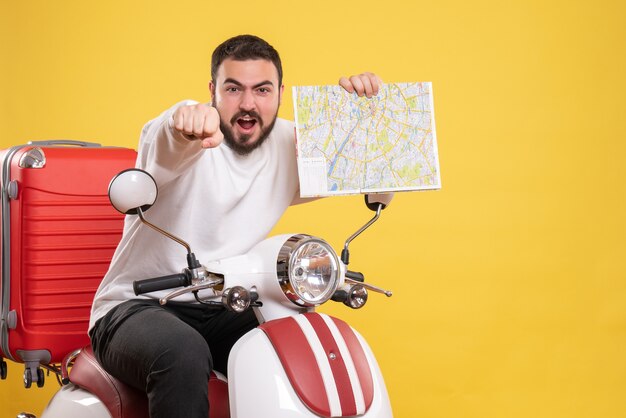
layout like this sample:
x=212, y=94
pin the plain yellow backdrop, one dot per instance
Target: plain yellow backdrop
x=509, y=283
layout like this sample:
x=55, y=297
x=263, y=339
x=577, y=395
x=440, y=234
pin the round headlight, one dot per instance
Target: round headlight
x=308, y=270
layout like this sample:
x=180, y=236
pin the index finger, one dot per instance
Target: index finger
x=210, y=125
x=346, y=84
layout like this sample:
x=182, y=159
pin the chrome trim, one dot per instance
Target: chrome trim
x=65, y=366
x=357, y=297
x=363, y=228
x=284, y=262
x=5, y=282
x=373, y=288
x=159, y=230
x=209, y=283
x=236, y=299
x=33, y=158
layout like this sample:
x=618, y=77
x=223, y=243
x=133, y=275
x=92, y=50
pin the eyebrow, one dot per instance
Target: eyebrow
x=237, y=83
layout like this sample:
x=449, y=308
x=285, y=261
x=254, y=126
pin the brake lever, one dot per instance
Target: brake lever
x=205, y=284
x=387, y=293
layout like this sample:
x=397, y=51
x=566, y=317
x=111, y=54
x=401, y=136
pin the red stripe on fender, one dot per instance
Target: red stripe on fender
x=299, y=363
x=337, y=365
x=359, y=359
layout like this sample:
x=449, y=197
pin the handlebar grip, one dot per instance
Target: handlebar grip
x=161, y=283
x=355, y=275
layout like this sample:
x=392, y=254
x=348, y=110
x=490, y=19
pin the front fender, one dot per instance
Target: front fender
x=258, y=380
x=73, y=402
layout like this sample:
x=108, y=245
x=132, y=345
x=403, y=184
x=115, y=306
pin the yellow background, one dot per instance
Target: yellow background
x=509, y=283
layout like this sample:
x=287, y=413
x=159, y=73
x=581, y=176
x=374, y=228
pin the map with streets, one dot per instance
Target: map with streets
x=348, y=144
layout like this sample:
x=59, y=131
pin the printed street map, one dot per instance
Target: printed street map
x=349, y=144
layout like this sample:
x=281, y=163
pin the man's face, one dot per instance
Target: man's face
x=247, y=95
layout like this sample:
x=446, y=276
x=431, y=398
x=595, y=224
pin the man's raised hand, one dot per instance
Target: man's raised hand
x=366, y=84
x=199, y=122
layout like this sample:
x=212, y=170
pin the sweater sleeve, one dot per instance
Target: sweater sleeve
x=164, y=152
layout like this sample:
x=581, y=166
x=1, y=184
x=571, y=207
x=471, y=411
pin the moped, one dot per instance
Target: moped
x=296, y=363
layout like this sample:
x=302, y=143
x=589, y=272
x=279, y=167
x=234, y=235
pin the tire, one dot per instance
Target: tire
x=28, y=378
x=41, y=378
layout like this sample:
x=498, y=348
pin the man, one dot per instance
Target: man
x=222, y=199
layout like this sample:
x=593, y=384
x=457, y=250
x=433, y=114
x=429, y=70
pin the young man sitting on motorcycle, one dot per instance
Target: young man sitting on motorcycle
x=223, y=199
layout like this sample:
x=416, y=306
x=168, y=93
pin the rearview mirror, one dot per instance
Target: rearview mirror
x=132, y=189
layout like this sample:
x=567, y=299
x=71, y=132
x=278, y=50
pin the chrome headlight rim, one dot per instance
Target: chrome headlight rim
x=285, y=262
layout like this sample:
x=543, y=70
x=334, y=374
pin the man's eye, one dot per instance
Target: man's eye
x=232, y=89
x=264, y=90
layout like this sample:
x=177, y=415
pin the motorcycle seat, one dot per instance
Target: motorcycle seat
x=123, y=401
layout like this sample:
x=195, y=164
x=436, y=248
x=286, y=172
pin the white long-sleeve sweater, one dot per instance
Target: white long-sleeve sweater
x=221, y=203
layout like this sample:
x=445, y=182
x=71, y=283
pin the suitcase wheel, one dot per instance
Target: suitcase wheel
x=33, y=373
x=40, y=378
x=3, y=369
x=28, y=378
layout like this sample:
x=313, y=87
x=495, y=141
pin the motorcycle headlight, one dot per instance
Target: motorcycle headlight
x=308, y=270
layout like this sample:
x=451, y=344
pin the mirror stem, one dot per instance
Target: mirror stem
x=167, y=234
x=345, y=253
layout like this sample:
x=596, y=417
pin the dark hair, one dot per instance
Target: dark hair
x=245, y=47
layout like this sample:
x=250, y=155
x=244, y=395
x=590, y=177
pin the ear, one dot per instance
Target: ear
x=280, y=93
x=212, y=90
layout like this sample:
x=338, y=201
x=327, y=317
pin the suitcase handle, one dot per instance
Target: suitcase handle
x=65, y=142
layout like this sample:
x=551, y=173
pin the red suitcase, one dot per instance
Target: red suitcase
x=59, y=233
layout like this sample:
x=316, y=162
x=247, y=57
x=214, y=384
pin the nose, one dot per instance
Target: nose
x=247, y=101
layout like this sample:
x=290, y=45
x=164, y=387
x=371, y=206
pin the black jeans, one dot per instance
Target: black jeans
x=168, y=351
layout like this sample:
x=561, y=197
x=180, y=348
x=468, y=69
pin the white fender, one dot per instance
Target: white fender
x=258, y=382
x=73, y=402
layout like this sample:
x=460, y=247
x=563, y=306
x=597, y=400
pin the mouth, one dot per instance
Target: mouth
x=247, y=123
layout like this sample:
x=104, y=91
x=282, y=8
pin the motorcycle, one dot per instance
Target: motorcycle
x=296, y=363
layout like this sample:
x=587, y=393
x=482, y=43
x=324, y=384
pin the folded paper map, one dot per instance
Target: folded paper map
x=349, y=144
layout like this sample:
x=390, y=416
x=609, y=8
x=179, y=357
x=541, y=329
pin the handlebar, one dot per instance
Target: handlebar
x=355, y=275
x=161, y=283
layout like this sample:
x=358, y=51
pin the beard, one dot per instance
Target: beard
x=242, y=145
